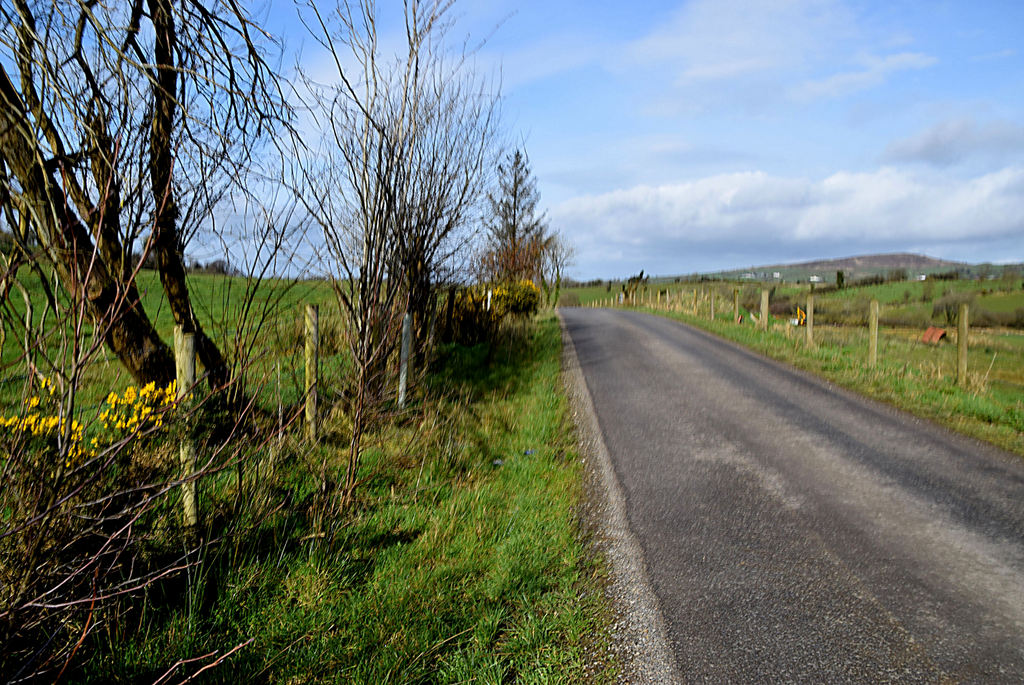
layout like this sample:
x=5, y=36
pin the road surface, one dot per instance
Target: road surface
x=793, y=532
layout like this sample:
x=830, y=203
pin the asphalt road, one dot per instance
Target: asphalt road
x=793, y=532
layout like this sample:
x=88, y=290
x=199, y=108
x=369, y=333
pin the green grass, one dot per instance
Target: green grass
x=460, y=562
x=263, y=345
x=1003, y=302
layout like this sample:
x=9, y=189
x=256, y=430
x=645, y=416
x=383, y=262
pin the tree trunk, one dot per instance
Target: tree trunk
x=165, y=234
x=113, y=306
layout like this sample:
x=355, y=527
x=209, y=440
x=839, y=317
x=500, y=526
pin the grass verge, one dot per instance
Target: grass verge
x=461, y=561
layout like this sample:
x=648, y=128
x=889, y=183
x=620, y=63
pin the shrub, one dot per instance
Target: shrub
x=521, y=298
x=984, y=318
x=79, y=524
x=750, y=298
x=472, y=322
x=848, y=312
x=953, y=275
x=781, y=306
x=41, y=425
x=947, y=306
x=870, y=280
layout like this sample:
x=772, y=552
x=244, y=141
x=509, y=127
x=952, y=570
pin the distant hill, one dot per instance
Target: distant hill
x=894, y=260
x=874, y=262
x=853, y=268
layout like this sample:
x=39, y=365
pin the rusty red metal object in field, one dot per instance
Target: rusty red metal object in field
x=933, y=335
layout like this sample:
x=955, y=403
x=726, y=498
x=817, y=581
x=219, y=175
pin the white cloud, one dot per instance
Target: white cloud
x=753, y=55
x=719, y=39
x=958, y=140
x=757, y=218
x=997, y=55
x=872, y=72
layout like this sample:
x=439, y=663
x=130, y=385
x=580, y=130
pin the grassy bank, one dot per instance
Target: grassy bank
x=460, y=562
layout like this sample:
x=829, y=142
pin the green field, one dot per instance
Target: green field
x=270, y=336
x=460, y=558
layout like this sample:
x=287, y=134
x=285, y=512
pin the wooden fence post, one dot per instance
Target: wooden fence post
x=312, y=366
x=873, y=334
x=763, y=323
x=403, y=361
x=712, y=305
x=280, y=408
x=449, y=314
x=185, y=374
x=961, y=346
x=810, y=320
x=735, y=305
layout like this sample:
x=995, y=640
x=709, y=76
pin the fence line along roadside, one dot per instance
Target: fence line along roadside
x=873, y=334
x=762, y=323
x=185, y=374
x=810, y=320
x=665, y=301
x=403, y=372
x=312, y=359
x=961, y=345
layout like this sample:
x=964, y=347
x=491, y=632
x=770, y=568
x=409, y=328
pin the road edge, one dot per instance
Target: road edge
x=639, y=638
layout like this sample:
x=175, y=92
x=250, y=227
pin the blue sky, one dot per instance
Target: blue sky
x=677, y=137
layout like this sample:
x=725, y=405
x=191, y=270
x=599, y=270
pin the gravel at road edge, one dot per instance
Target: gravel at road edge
x=638, y=634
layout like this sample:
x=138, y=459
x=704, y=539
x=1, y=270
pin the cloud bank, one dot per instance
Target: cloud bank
x=737, y=219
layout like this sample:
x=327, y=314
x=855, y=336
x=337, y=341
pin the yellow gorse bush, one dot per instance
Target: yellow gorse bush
x=517, y=297
x=133, y=411
x=472, y=321
x=40, y=426
x=137, y=408
x=521, y=297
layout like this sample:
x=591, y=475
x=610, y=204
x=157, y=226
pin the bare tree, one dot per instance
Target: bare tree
x=558, y=256
x=356, y=187
x=125, y=119
x=123, y=128
x=457, y=120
